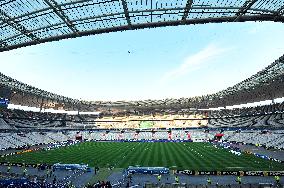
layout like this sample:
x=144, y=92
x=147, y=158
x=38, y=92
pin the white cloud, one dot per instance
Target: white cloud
x=195, y=61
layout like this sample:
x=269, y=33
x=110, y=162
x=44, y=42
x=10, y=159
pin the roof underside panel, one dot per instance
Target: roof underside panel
x=25, y=22
x=18, y=8
x=8, y=32
x=273, y=5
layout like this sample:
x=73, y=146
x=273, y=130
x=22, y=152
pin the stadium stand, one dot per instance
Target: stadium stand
x=264, y=116
x=47, y=127
x=271, y=139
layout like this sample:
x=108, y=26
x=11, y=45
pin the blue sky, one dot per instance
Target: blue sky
x=169, y=62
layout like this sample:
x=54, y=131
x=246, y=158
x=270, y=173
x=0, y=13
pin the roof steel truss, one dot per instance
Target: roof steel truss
x=57, y=9
x=125, y=8
x=25, y=22
x=187, y=9
x=248, y=4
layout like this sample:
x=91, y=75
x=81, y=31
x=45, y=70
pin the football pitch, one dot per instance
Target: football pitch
x=189, y=156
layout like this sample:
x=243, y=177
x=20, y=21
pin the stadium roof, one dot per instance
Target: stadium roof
x=265, y=85
x=25, y=22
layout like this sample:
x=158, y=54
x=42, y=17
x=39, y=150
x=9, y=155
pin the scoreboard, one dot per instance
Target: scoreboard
x=4, y=102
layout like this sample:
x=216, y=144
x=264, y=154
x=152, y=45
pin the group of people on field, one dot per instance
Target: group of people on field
x=209, y=181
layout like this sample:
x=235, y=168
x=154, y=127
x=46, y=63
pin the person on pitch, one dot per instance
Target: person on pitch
x=277, y=179
x=209, y=182
x=159, y=177
x=239, y=180
x=176, y=179
x=9, y=168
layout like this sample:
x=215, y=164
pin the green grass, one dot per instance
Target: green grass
x=192, y=156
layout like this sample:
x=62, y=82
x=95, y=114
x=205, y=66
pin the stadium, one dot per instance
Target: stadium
x=209, y=139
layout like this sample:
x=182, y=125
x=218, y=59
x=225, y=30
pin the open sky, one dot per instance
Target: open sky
x=158, y=63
